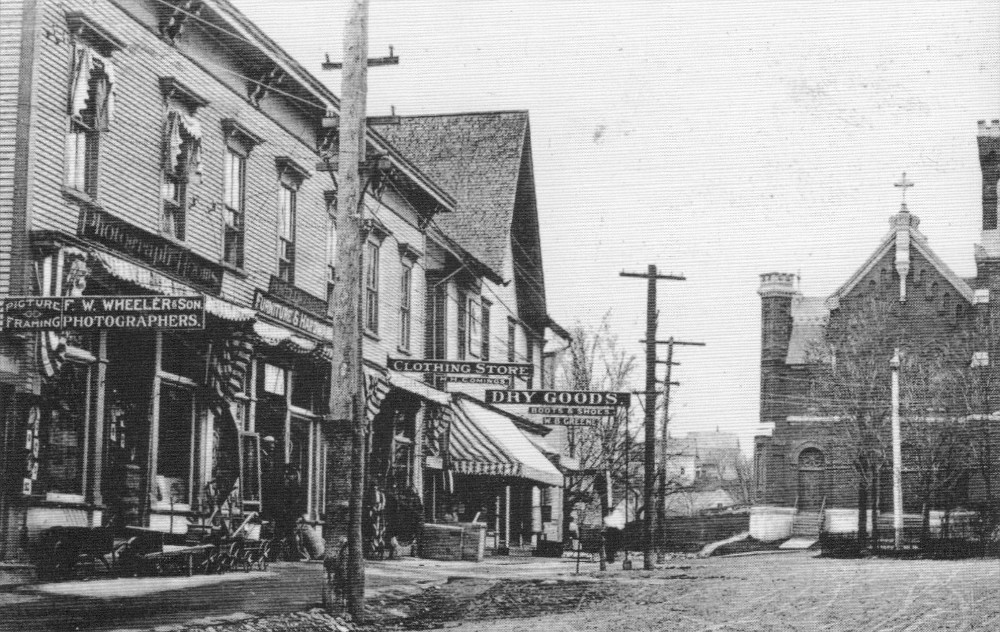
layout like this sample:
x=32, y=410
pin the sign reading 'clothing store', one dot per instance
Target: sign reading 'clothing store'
x=156, y=251
x=28, y=313
x=408, y=365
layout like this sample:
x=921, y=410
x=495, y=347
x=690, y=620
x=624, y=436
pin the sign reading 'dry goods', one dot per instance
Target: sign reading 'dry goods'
x=408, y=365
x=24, y=313
x=156, y=251
x=562, y=398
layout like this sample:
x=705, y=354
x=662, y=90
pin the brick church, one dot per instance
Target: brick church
x=807, y=461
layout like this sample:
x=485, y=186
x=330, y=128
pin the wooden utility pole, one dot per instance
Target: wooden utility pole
x=661, y=501
x=346, y=388
x=649, y=457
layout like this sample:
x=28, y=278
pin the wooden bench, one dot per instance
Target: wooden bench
x=180, y=558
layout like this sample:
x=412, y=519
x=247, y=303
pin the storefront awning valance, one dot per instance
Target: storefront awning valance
x=278, y=336
x=161, y=284
x=484, y=442
x=410, y=385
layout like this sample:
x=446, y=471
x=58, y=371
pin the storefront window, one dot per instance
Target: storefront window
x=174, y=468
x=185, y=356
x=63, y=430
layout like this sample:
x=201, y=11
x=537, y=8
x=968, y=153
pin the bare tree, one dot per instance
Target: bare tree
x=851, y=382
x=594, y=361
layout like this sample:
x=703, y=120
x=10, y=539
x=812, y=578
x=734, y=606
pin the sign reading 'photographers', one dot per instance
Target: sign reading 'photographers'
x=32, y=313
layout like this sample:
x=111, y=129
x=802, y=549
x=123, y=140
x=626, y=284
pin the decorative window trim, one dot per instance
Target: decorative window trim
x=171, y=88
x=408, y=254
x=233, y=129
x=95, y=35
x=377, y=231
x=288, y=167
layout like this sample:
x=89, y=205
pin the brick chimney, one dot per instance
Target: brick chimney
x=989, y=163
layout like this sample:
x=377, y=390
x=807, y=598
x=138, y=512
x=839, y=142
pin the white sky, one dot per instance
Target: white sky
x=715, y=139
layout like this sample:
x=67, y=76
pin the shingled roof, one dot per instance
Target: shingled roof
x=476, y=158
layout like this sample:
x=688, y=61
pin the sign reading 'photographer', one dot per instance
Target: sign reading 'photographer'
x=32, y=313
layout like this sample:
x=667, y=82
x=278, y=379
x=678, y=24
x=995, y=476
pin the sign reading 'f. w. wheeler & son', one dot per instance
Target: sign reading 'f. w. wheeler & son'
x=154, y=250
x=408, y=365
x=32, y=313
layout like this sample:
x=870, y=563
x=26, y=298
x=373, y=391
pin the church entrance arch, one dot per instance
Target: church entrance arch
x=812, y=470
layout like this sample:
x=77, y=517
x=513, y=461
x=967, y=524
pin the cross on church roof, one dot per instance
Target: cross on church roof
x=903, y=184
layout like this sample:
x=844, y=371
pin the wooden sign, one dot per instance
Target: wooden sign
x=561, y=398
x=33, y=313
x=456, y=367
x=157, y=252
x=293, y=316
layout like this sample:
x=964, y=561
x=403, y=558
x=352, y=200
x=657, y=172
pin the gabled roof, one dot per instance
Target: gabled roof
x=476, y=157
x=918, y=241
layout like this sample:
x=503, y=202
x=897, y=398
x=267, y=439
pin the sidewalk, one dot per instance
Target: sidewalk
x=159, y=602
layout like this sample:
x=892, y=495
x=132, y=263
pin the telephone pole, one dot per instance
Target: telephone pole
x=649, y=457
x=661, y=501
x=346, y=392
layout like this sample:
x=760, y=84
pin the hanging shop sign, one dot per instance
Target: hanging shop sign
x=496, y=369
x=267, y=305
x=32, y=313
x=295, y=296
x=560, y=398
x=154, y=250
x=483, y=380
x=572, y=421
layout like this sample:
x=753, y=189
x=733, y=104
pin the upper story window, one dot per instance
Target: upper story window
x=286, y=232
x=371, y=286
x=472, y=331
x=234, y=199
x=405, y=306
x=181, y=153
x=511, y=340
x=290, y=175
x=531, y=360
x=239, y=142
x=463, y=325
x=436, y=316
x=485, y=324
x=331, y=245
x=91, y=100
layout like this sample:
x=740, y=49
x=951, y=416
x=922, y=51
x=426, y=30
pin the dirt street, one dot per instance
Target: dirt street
x=760, y=592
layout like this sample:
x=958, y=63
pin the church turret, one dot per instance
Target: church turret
x=777, y=290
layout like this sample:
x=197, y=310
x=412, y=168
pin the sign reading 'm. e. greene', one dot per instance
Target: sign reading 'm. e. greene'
x=561, y=398
x=408, y=365
x=22, y=313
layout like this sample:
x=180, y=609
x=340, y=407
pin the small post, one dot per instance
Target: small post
x=897, y=455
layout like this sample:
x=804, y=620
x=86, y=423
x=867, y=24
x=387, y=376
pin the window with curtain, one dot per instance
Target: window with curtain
x=234, y=200
x=371, y=287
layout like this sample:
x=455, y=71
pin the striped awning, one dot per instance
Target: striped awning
x=161, y=284
x=486, y=443
x=376, y=388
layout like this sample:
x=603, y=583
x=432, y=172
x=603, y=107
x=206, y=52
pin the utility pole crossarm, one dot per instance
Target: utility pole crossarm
x=389, y=60
x=640, y=275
